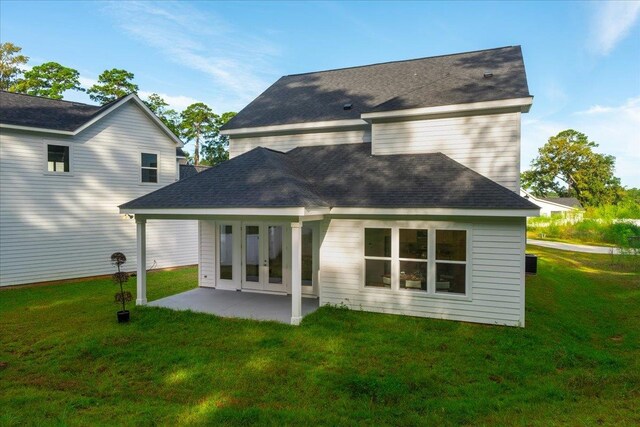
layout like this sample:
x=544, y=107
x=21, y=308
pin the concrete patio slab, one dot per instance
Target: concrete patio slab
x=245, y=305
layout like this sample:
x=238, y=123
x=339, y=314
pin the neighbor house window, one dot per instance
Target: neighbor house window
x=413, y=258
x=451, y=261
x=149, y=167
x=58, y=158
x=377, y=257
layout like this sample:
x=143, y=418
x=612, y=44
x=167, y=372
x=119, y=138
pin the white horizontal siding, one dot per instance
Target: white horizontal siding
x=488, y=144
x=238, y=145
x=57, y=227
x=497, y=288
x=207, y=254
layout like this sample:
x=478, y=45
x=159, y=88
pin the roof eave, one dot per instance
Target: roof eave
x=518, y=104
x=321, y=125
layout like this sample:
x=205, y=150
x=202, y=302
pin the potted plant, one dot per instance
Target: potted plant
x=412, y=280
x=120, y=277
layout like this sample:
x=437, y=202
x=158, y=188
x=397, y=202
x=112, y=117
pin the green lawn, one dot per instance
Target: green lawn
x=64, y=359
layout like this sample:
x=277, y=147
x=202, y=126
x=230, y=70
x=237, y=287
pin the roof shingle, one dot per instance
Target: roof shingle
x=426, y=82
x=35, y=111
x=344, y=175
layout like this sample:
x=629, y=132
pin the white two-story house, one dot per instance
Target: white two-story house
x=64, y=169
x=390, y=188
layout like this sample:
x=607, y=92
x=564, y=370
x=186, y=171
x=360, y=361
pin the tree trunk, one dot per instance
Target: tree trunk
x=196, y=155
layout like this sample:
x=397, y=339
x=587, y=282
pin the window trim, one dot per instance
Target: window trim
x=140, y=168
x=45, y=149
x=431, y=227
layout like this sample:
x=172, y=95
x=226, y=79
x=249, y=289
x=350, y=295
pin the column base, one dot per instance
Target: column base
x=141, y=301
x=296, y=320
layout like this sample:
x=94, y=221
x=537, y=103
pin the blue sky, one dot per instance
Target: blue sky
x=582, y=59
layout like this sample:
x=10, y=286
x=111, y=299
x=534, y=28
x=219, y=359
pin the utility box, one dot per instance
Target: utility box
x=531, y=264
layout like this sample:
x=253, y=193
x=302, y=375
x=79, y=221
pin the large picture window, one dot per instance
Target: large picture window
x=149, y=168
x=431, y=260
x=58, y=158
x=377, y=254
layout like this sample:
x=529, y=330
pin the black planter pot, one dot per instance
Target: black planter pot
x=123, y=316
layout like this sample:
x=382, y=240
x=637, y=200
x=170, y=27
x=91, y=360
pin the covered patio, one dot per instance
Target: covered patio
x=244, y=305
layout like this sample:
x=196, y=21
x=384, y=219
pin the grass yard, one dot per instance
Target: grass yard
x=64, y=360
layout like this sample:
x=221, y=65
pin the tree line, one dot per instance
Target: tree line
x=567, y=166
x=197, y=123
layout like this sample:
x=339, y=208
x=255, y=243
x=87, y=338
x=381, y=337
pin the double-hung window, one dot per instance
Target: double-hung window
x=149, y=167
x=451, y=261
x=414, y=245
x=377, y=257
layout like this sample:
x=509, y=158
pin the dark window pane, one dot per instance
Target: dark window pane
x=413, y=244
x=378, y=273
x=451, y=245
x=149, y=175
x=226, y=252
x=413, y=275
x=307, y=256
x=450, y=278
x=58, y=158
x=149, y=160
x=377, y=242
x=275, y=253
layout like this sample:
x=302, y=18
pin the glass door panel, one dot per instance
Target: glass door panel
x=252, y=254
x=226, y=252
x=307, y=256
x=274, y=234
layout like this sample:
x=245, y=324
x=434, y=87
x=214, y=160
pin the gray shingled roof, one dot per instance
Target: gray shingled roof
x=570, y=202
x=426, y=82
x=334, y=176
x=187, y=171
x=35, y=111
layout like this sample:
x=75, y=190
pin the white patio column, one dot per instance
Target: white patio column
x=141, y=256
x=296, y=269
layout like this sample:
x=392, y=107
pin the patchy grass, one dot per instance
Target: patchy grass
x=64, y=359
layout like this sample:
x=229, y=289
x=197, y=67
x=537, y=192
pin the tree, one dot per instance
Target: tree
x=169, y=117
x=568, y=166
x=112, y=84
x=10, y=62
x=49, y=80
x=198, y=124
x=216, y=149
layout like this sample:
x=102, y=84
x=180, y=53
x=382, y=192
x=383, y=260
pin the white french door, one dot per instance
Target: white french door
x=263, y=257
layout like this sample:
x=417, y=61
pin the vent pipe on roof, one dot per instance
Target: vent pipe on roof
x=488, y=74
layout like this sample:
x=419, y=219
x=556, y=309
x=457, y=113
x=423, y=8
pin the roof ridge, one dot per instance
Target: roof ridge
x=399, y=60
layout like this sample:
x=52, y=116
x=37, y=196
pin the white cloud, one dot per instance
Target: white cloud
x=177, y=102
x=236, y=62
x=613, y=20
x=615, y=128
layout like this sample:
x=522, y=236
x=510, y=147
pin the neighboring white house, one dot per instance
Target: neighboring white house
x=64, y=169
x=555, y=205
x=389, y=188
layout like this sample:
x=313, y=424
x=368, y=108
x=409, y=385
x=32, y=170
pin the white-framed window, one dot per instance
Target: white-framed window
x=423, y=258
x=413, y=257
x=149, y=168
x=451, y=261
x=377, y=257
x=58, y=158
